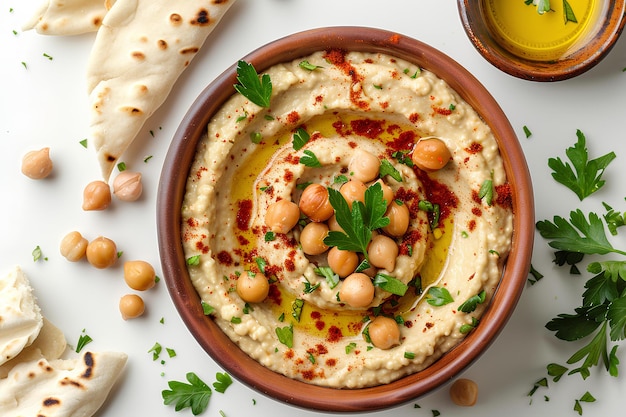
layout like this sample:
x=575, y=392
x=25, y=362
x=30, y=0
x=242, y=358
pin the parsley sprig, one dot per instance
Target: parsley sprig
x=257, y=90
x=586, y=176
x=194, y=395
x=358, y=222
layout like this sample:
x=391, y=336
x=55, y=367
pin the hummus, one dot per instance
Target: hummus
x=450, y=257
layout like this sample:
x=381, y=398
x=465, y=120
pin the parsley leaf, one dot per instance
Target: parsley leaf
x=332, y=279
x=300, y=138
x=486, y=191
x=358, y=222
x=285, y=335
x=257, y=90
x=577, y=235
x=390, y=284
x=223, y=381
x=194, y=395
x=471, y=303
x=588, y=176
x=386, y=168
x=439, y=296
x=83, y=340
x=310, y=160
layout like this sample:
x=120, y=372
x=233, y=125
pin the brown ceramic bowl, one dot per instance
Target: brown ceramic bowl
x=603, y=35
x=187, y=301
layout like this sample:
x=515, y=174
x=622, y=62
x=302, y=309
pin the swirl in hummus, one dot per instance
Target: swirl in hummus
x=349, y=106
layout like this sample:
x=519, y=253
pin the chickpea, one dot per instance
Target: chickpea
x=430, y=154
x=333, y=225
x=312, y=238
x=387, y=191
x=253, y=288
x=398, y=219
x=353, y=190
x=464, y=392
x=314, y=203
x=139, y=275
x=101, y=252
x=127, y=186
x=131, y=306
x=37, y=165
x=73, y=246
x=282, y=216
x=384, y=332
x=342, y=262
x=364, y=166
x=382, y=252
x=357, y=290
x=96, y=196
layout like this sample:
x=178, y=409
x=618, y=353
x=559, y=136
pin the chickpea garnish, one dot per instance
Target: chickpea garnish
x=364, y=166
x=253, y=288
x=342, y=262
x=398, y=219
x=312, y=238
x=314, y=203
x=37, y=165
x=127, y=186
x=353, y=190
x=73, y=246
x=387, y=191
x=384, y=332
x=464, y=392
x=282, y=216
x=101, y=252
x=357, y=290
x=131, y=306
x=139, y=275
x=382, y=252
x=96, y=196
x=430, y=154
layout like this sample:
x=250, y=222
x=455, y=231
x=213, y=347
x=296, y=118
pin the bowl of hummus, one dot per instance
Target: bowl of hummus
x=345, y=219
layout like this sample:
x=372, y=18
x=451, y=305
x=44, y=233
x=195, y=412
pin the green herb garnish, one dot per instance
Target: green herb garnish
x=439, y=296
x=486, y=192
x=193, y=260
x=223, y=381
x=83, y=340
x=588, y=176
x=386, y=168
x=257, y=90
x=310, y=160
x=390, y=284
x=285, y=335
x=332, y=279
x=194, y=395
x=358, y=222
x=471, y=303
x=300, y=138
x=308, y=66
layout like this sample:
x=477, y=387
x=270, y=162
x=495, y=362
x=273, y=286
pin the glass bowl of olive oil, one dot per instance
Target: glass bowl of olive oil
x=543, y=40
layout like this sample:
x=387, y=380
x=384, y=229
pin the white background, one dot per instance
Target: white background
x=46, y=104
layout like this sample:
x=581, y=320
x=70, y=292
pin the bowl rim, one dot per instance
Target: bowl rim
x=570, y=66
x=172, y=188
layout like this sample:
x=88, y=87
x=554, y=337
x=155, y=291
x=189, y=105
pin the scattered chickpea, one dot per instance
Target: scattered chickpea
x=333, y=225
x=464, y=392
x=357, y=290
x=282, y=216
x=398, y=219
x=253, y=288
x=314, y=203
x=101, y=252
x=342, y=262
x=430, y=154
x=364, y=166
x=382, y=252
x=37, y=165
x=96, y=196
x=73, y=246
x=312, y=238
x=353, y=190
x=139, y=275
x=127, y=186
x=384, y=332
x=131, y=306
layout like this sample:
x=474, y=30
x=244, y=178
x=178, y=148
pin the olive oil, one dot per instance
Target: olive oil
x=541, y=37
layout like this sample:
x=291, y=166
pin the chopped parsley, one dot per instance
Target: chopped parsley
x=439, y=296
x=256, y=89
x=300, y=138
x=194, y=395
x=83, y=340
x=310, y=160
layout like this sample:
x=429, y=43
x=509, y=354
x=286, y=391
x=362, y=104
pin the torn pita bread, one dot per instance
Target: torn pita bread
x=68, y=17
x=140, y=51
x=74, y=387
x=20, y=316
x=50, y=344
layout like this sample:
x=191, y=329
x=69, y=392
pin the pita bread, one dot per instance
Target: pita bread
x=68, y=17
x=50, y=344
x=140, y=50
x=60, y=388
x=20, y=316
